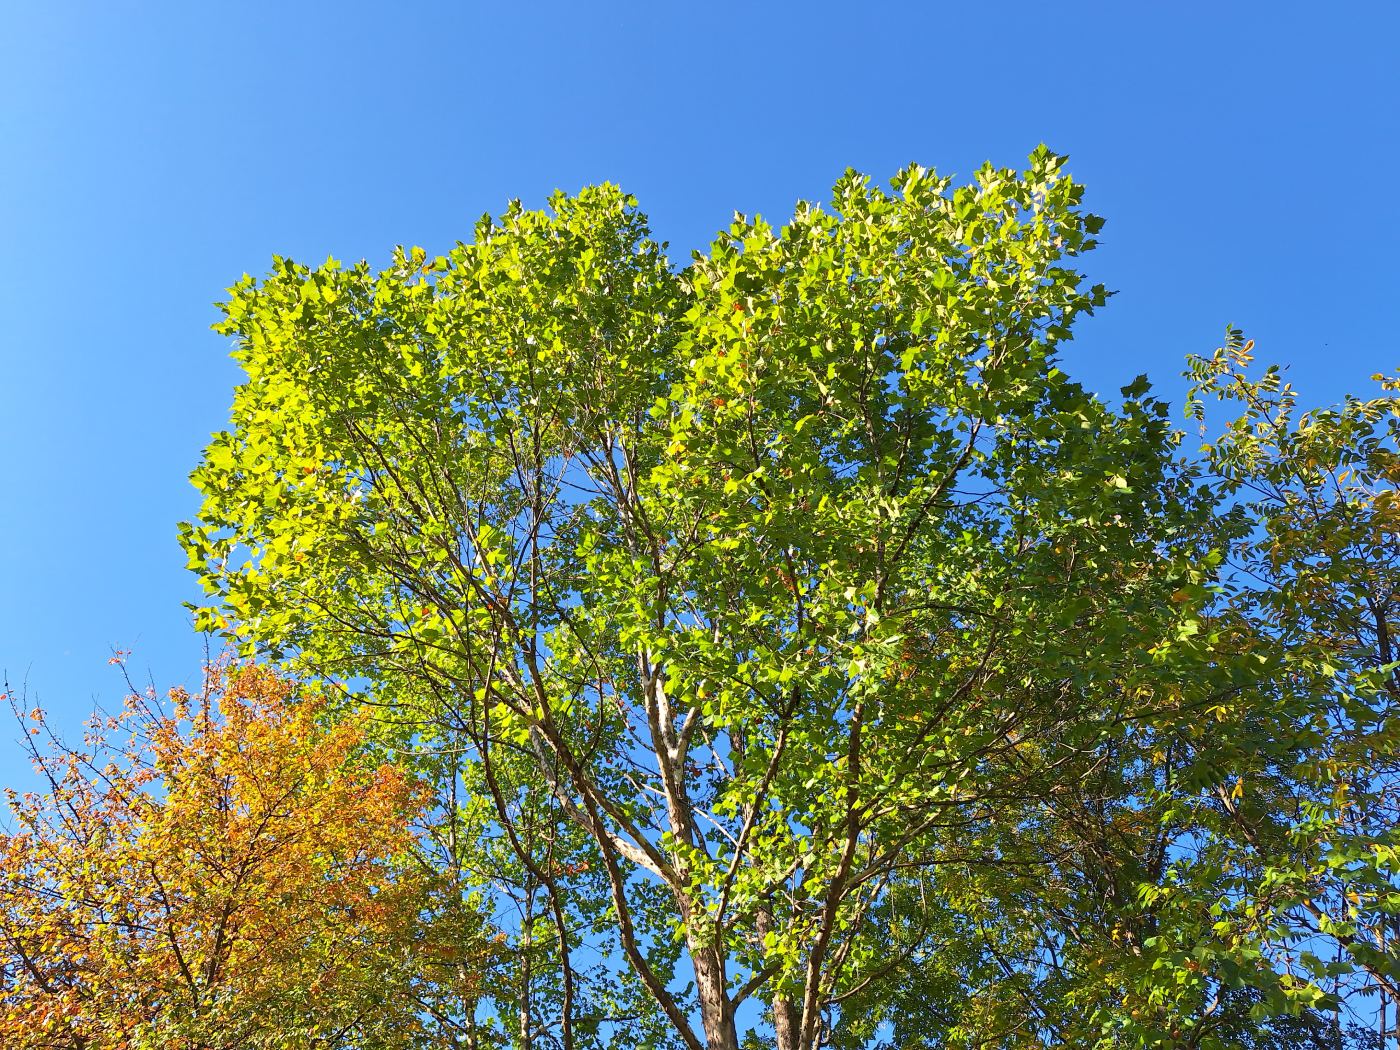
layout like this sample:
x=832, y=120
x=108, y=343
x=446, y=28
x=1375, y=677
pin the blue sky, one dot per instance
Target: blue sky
x=1244, y=154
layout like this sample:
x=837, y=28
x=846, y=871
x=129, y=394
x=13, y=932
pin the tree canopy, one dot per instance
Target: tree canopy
x=223, y=872
x=797, y=655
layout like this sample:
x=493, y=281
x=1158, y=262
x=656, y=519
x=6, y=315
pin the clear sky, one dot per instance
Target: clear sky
x=1245, y=155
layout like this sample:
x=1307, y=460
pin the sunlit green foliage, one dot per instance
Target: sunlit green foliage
x=790, y=627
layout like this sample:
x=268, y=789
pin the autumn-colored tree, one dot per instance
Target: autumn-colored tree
x=224, y=871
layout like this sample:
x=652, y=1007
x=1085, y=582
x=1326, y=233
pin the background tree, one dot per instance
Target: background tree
x=227, y=873
x=812, y=638
x=1316, y=576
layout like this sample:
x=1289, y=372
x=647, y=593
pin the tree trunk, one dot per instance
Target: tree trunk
x=785, y=1022
x=716, y=1012
x=787, y=1028
x=526, y=1021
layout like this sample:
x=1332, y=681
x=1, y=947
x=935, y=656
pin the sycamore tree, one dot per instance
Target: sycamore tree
x=225, y=872
x=800, y=654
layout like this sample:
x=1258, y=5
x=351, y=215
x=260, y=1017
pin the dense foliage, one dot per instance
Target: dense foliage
x=797, y=656
x=220, y=872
